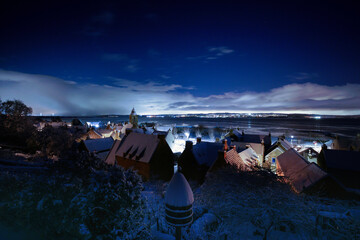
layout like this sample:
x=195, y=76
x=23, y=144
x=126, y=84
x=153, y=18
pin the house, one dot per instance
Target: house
x=126, y=127
x=100, y=147
x=278, y=148
x=94, y=134
x=197, y=159
x=101, y=133
x=309, y=154
x=105, y=133
x=302, y=175
x=169, y=137
x=230, y=158
x=150, y=155
x=110, y=157
x=342, y=143
x=342, y=165
x=250, y=158
x=41, y=125
x=259, y=143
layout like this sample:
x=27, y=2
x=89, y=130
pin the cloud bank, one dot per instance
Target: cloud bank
x=48, y=95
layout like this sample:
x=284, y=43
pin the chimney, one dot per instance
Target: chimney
x=189, y=145
x=226, y=147
x=198, y=140
x=262, y=142
x=270, y=135
x=242, y=133
x=323, y=147
x=234, y=147
x=128, y=131
x=221, y=155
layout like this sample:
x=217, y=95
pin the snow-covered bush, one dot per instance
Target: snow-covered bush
x=104, y=205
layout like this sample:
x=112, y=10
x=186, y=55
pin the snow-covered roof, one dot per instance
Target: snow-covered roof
x=299, y=172
x=102, y=155
x=285, y=144
x=341, y=159
x=280, y=143
x=251, y=138
x=179, y=193
x=138, y=146
x=97, y=145
x=110, y=158
x=206, y=153
x=290, y=162
x=93, y=134
x=104, y=131
x=307, y=177
x=249, y=157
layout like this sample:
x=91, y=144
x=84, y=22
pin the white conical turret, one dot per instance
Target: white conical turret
x=179, y=193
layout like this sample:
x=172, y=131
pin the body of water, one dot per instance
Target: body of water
x=299, y=127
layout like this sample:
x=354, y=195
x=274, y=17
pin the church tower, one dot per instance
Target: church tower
x=133, y=118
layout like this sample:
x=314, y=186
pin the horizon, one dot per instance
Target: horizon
x=181, y=58
x=252, y=114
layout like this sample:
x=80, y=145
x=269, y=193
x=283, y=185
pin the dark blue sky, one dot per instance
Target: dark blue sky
x=180, y=56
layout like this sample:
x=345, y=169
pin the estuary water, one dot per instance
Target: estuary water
x=300, y=127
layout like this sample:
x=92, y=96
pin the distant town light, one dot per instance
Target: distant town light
x=292, y=136
x=187, y=134
x=93, y=124
x=317, y=117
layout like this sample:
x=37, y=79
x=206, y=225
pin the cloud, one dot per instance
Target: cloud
x=301, y=76
x=148, y=86
x=213, y=53
x=132, y=68
x=47, y=95
x=164, y=76
x=220, y=51
x=70, y=82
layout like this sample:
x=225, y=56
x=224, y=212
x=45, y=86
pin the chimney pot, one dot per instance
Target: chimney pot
x=198, y=140
x=226, y=147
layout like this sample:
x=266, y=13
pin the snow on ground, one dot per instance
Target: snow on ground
x=251, y=206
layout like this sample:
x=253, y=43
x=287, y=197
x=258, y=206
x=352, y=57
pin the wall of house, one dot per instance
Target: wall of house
x=188, y=164
x=162, y=161
x=142, y=168
x=268, y=159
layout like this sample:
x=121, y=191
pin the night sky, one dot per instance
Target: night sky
x=81, y=58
